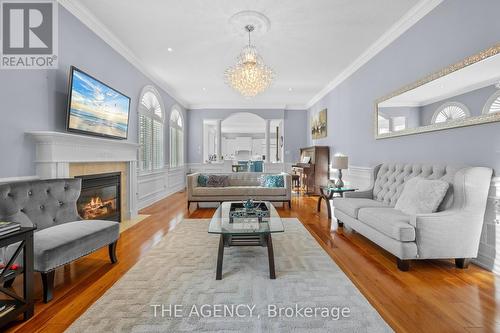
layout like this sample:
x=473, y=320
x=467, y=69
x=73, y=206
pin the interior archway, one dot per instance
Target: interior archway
x=243, y=139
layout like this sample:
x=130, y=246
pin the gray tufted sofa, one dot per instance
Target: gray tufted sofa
x=61, y=235
x=452, y=232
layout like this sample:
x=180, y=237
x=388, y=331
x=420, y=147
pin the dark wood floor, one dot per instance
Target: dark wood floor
x=433, y=296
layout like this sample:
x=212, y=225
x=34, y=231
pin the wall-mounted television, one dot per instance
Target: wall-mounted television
x=95, y=108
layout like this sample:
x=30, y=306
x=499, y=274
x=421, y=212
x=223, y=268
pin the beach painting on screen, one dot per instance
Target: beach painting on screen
x=96, y=108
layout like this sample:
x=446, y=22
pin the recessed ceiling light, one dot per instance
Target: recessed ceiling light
x=170, y=49
x=290, y=89
x=203, y=88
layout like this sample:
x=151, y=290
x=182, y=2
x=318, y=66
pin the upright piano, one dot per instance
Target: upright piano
x=313, y=168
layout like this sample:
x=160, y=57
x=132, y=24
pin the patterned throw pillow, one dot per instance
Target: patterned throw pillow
x=262, y=180
x=217, y=181
x=274, y=181
x=202, y=180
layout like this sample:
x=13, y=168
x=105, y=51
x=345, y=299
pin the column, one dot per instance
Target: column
x=268, y=141
x=219, y=139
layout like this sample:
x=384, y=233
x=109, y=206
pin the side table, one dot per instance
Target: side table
x=25, y=304
x=327, y=192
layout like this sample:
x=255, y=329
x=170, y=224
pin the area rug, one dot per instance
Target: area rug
x=173, y=289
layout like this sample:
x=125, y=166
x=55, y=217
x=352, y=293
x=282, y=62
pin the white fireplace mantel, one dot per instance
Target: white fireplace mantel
x=56, y=150
x=53, y=147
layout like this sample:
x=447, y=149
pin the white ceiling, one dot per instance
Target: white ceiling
x=308, y=45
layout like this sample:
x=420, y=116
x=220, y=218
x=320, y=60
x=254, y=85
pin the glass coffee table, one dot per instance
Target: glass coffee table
x=236, y=227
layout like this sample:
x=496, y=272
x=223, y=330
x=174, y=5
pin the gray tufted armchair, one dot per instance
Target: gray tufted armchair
x=61, y=236
x=453, y=231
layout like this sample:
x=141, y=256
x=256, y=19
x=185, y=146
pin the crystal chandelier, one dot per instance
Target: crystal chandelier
x=250, y=76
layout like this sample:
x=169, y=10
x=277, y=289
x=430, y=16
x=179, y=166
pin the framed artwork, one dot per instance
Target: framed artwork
x=319, y=125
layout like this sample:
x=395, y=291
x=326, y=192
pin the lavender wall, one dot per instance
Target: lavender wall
x=451, y=32
x=36, y=99
x=295, y=127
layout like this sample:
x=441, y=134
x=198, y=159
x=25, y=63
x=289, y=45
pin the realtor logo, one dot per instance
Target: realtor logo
x=29, y=34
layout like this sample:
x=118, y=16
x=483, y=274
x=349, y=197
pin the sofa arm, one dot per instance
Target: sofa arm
x=455, y=233
x=448, y=234
x=192, y=182
x=366, y=194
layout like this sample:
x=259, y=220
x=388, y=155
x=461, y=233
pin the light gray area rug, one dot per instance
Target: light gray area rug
x=180, y=270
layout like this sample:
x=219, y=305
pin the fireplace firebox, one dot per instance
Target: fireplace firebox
x=100, y=198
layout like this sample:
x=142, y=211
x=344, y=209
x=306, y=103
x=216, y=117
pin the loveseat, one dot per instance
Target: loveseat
x=452, y=232
x=240, y=186
x=61, y=235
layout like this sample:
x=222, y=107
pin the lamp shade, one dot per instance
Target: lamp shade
x=340, y=162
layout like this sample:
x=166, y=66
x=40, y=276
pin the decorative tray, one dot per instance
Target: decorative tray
x=237, y=210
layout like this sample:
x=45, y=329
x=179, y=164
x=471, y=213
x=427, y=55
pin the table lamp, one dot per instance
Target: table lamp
x=340, y=162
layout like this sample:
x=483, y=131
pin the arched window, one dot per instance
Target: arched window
x=450, y=111
x=151, y=120
x=176, y=138
x=493, y=104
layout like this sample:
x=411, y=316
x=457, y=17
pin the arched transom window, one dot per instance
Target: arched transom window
x=493, y=104
x=151, y=120
x=449, y=112
x=176, y=138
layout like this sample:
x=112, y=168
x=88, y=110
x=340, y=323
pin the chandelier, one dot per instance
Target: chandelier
x=250, y=76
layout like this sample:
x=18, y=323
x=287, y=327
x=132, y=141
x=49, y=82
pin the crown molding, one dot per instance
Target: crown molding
x=89, y=19
x=407, y=21
x=248, y=106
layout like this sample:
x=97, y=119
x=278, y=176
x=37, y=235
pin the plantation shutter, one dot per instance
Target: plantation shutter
x=157, y=150
x=176, y=139
x=151, y=119
x=145, y=140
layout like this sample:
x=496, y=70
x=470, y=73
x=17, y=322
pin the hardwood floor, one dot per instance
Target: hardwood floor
x=433, y=296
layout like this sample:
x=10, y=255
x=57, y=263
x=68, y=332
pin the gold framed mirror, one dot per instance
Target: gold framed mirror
x=463, y=94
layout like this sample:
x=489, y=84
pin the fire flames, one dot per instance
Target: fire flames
x=97, y=207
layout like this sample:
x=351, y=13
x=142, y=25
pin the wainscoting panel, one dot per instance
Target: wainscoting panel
x=158, y=185
x=489, y=251
x=225, y=167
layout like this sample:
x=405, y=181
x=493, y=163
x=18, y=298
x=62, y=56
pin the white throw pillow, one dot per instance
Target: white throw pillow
x=422, y=196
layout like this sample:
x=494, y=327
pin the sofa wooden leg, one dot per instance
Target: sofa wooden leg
x=48, y=285
x=289, y=204
x=8, y=283
x=403, y=265
x=340, y=223
x=189, y=204
x=462, y=263
x=112, y=252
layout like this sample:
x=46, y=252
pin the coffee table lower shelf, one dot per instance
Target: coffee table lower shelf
x=228, y=240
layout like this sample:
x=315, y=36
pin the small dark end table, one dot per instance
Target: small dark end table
x=24, y=304
x=327, y=192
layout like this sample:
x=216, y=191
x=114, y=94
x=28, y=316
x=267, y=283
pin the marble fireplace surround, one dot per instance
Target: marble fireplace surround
x=65, y=155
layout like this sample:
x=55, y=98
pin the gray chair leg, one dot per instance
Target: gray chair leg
x=48, y=285
x=112, y=252
x=462, y=263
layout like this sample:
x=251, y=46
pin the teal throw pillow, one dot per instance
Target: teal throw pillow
x=274, y=181
x=202, y=180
